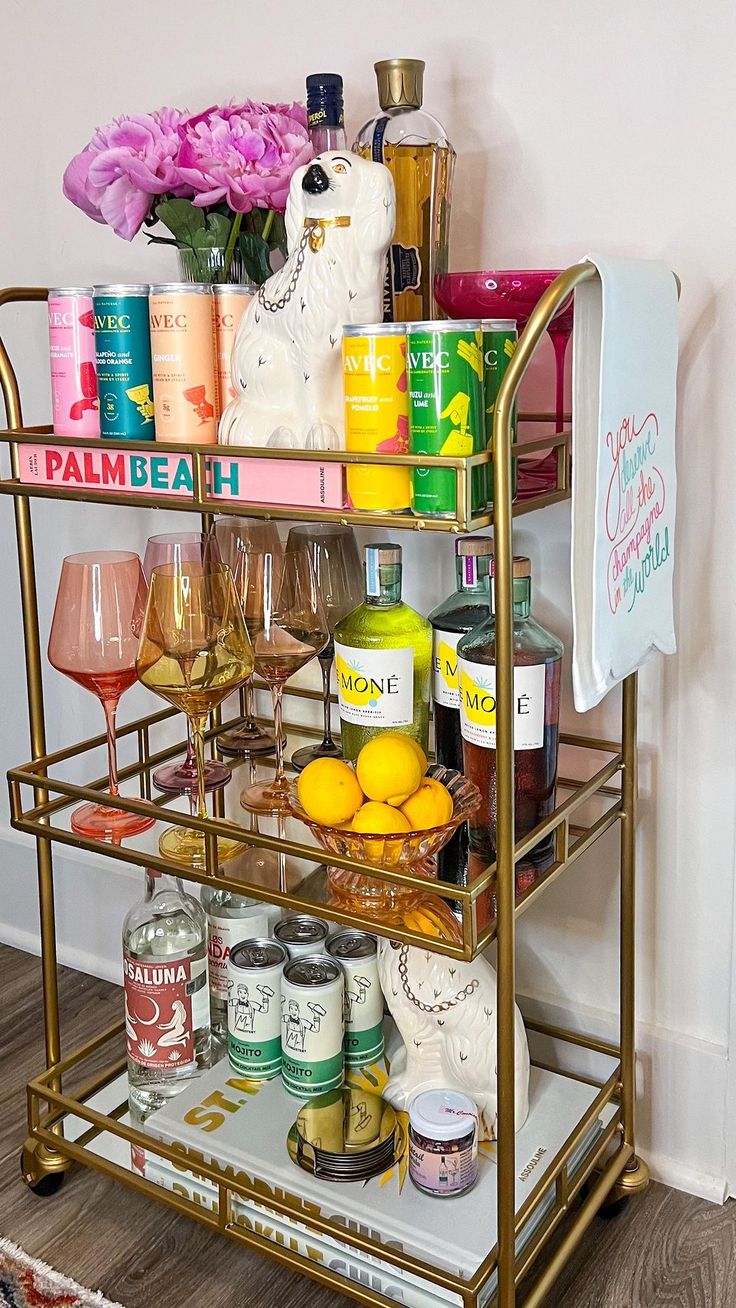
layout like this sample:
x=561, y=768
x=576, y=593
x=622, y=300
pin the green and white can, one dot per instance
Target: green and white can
x=301, y=934
x=446, y=411
x=357, y=954
x=500, y=336
x=312, y=1026
x=123, y=354
x=255, y=969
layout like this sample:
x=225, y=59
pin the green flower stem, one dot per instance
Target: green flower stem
x=230, y=247
x=267, y=225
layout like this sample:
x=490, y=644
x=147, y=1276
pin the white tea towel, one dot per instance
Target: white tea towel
x=624, y=483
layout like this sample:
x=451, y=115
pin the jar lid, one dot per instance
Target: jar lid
x=442, y=1114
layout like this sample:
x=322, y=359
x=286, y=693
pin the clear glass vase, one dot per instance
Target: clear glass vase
x=212, y=265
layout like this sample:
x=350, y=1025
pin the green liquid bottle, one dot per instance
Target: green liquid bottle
x=383, y=651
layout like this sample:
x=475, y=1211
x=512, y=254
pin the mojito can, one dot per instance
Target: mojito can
x=499, y=342
x=123, y=350
x=183, y=360
x=74, y=403
x=301, y=934
x=376, y=414
x=446, y=411
x=312, y=1026
x=357, y=954
x=255, y=969
x=231, y=301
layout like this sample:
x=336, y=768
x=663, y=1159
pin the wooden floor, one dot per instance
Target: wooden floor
x=667, y=1250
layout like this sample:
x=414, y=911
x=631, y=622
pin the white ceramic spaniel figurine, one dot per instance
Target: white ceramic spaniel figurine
x=287, y=357
x=445, y=1011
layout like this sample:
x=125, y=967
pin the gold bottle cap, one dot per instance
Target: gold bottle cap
x=400, y=83
x=478, y=547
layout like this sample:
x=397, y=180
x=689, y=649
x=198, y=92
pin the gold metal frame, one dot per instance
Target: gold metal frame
x=612, y=1166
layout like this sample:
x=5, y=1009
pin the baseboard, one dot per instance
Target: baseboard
x=681, y=1081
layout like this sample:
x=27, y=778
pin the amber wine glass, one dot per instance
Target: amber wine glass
x=194, y=652
x=288, y=628
x=238, y=537
x=178, y=547
x=94, y=638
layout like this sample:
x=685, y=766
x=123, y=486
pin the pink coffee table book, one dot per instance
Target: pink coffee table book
x=297, y=483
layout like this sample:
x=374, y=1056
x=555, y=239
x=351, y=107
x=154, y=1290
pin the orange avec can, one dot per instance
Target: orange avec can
x=231, y=302
x=376, y=414
x=183, y=362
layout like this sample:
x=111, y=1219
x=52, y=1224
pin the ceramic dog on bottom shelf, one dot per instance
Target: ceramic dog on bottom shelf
x=445, y=1011
x=287, y=356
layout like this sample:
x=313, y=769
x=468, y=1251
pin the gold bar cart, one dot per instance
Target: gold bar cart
x=527, y=1252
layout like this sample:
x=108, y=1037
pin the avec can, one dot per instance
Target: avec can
x=74, y=402
x=181, y=316
x=446, y=411
x=376, y=414
x=255, y=970
x=312, y=1026
x=500, y=336
x=123, y=353
x=301, y=934
x=231, y=299
x=357, y=954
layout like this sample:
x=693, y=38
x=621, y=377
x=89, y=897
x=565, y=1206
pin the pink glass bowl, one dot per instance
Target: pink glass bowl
x=509, y=293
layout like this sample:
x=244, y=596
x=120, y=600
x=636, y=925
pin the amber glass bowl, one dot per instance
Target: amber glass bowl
x=414, y=851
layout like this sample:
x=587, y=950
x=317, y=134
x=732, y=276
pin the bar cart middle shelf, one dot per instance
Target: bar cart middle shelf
x=281, y=865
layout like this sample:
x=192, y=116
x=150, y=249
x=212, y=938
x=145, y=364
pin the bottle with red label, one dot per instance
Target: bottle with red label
x=167, y=1003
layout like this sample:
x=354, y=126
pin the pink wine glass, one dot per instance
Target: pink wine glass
x=94, y=640
x=513, y=294
x=176, y=548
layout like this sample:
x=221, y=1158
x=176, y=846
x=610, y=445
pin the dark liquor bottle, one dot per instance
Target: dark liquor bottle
x=537, y=665
x=325, y=112
x=460, y=613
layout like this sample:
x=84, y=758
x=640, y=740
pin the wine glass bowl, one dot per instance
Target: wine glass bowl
x=93, y=640
x=411, y=851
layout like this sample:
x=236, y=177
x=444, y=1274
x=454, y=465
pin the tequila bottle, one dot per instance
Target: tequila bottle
x=537, y=665
x=382, y=659
x=415, y=149
x=460, y=613
x=231, y=919
x=167, y=1009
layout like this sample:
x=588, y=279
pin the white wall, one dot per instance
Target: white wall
x=582, y=125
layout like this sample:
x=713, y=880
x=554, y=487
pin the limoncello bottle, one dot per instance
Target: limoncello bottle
x=383, y=651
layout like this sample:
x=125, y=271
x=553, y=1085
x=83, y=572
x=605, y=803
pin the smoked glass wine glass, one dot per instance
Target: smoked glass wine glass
x=338, y=571
x=237, y=538
x=194, y=652
x=288, y=627
x=175, y=548
x=94, y=638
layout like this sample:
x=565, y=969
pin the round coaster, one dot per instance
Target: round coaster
x=348, y=1134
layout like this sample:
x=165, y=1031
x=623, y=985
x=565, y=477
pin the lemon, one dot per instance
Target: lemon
x=430, y=806
x=380, y=820
x=389, y=769
x=329, y=792
x=415, y=746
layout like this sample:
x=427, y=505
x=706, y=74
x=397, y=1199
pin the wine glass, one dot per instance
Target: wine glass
x=194, y=652
x=175, y=548
x=333, y=550
x=237, y=537
x=288, y=627
x=94, y=638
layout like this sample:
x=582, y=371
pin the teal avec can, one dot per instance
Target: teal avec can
x=123, y=354
x=500, y=337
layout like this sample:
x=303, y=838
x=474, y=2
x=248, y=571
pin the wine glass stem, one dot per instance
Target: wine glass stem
x=277, y=692
x=326, y=665
x=198, y=726
x=190, y=761
x=559, y=344
x=110, y=707
x=250, y=722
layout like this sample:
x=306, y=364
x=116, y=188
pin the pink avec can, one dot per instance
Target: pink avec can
x=74, y=402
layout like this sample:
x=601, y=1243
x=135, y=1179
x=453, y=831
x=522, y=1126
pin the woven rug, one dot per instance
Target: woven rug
x=27, y=1283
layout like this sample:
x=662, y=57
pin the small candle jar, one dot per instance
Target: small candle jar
x=443, y=1142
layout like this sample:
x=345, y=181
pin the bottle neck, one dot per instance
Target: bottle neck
x=327, y=137
x=159, y=882
x=522, y=591
x=385, y=589
x=472, y=576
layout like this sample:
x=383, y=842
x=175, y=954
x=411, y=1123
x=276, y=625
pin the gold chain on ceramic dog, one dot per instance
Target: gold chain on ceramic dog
x=446, y=1005
x=317, y=227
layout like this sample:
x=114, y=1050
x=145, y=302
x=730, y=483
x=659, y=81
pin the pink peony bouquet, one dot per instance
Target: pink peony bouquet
x=217, y=180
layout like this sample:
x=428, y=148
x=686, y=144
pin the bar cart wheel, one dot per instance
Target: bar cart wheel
x=633, y=1181
x=42, y=1171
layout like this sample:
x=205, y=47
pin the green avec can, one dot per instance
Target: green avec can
x=499, y=342
x=446, y=411
x=123, y=353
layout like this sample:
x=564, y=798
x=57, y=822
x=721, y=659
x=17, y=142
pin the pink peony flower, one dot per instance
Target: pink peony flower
x=243, y=154
x=126, y=164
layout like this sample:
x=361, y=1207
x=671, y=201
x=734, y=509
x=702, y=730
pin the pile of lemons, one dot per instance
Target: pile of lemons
x=387, y=793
